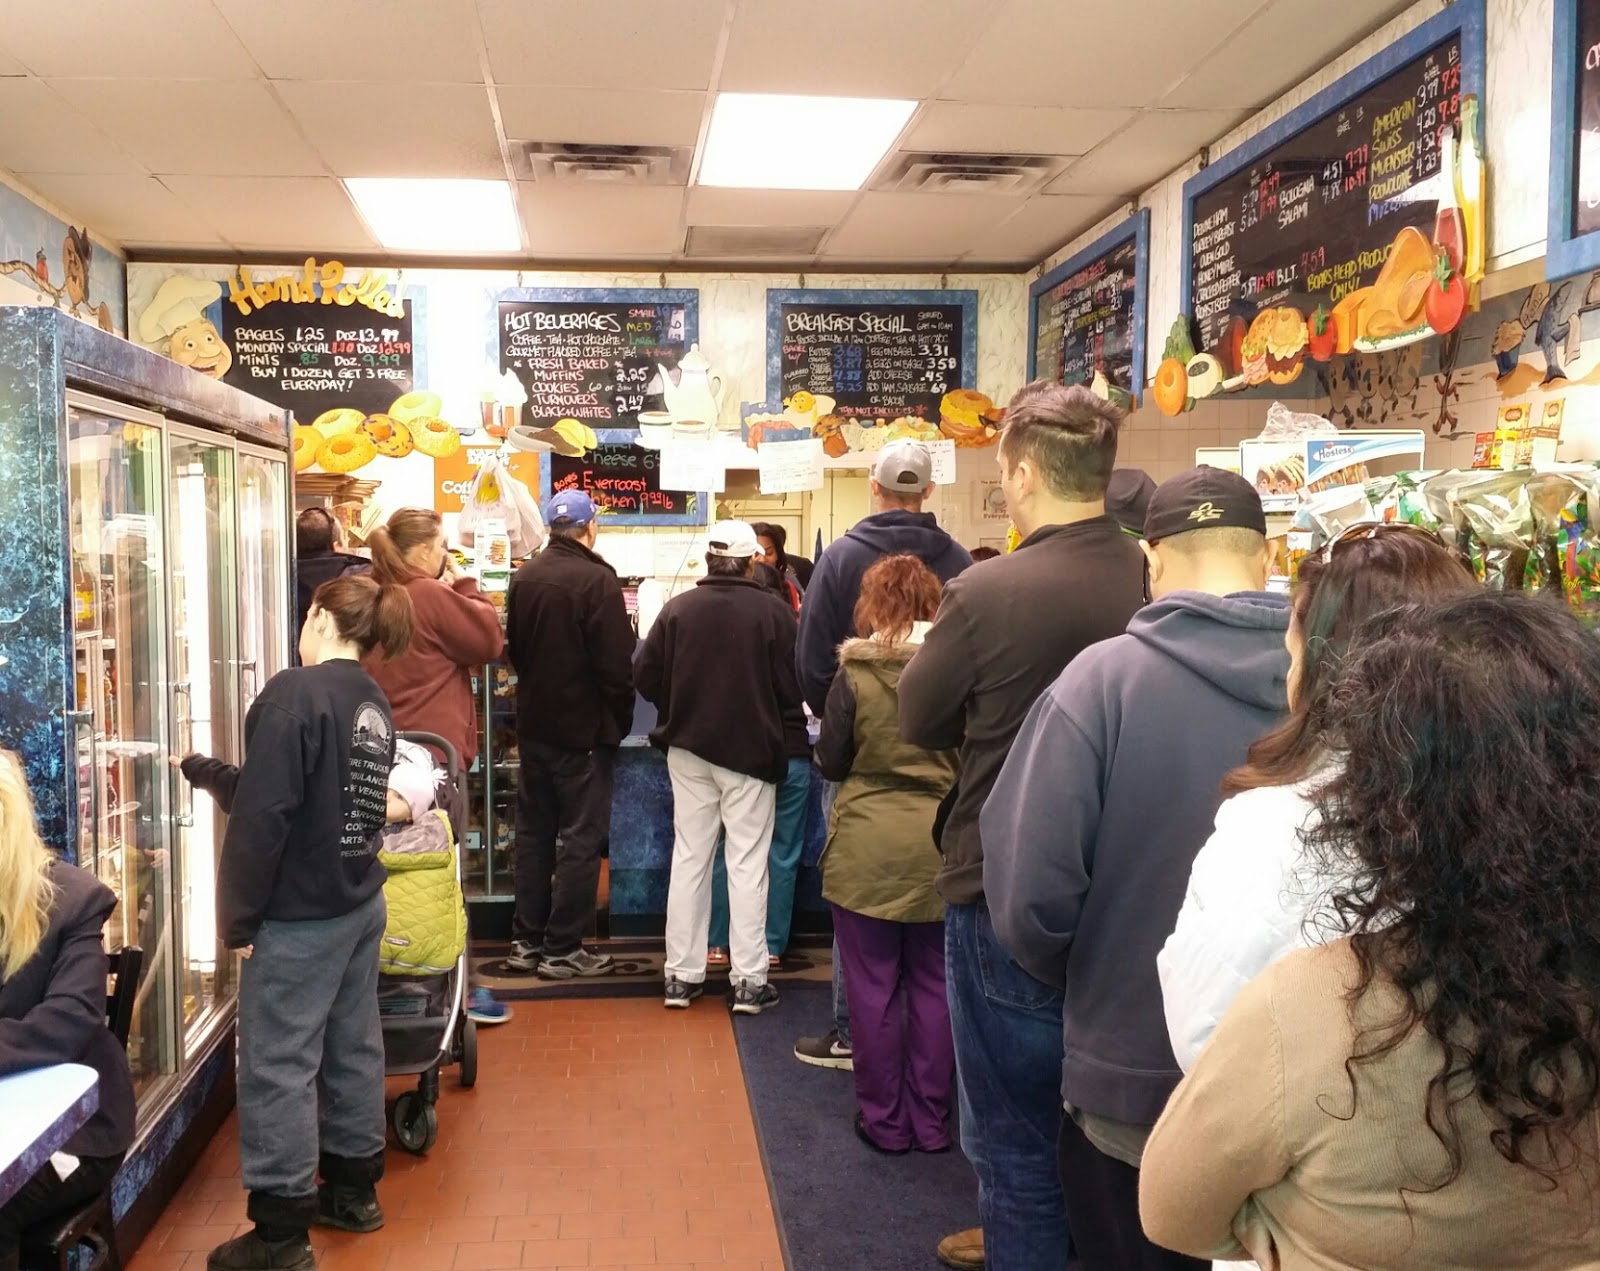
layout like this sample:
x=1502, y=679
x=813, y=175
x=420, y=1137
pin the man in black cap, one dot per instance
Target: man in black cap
x=1106, y=798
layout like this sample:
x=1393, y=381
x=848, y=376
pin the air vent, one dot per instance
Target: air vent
x=566, y=162
x=710, y=242
x=969, y=173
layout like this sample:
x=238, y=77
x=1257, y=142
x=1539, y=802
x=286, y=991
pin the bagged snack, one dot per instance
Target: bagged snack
x=1566, y=559
x=1494, y=528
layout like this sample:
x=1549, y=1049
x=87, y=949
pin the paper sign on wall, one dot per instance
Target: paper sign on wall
x=944, y=461
x=790, y=467
x=693, y=465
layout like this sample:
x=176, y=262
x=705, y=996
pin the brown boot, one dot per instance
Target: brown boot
x=964, y=1250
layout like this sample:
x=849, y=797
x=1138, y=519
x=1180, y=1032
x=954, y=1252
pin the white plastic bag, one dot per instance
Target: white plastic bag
x=496, y=495
x=1284, y=424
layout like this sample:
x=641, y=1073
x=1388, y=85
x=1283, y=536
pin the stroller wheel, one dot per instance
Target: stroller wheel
x=416, y=1123
x=468, y=1072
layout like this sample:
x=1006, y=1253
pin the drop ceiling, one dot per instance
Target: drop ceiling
x=222, y=127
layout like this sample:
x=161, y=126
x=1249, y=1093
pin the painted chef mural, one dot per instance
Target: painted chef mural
x=176, y=323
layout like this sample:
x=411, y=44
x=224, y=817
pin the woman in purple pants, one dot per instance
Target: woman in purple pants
x=879, y=867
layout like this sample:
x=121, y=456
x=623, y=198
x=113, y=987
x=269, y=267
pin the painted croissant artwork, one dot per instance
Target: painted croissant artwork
x=72, y=293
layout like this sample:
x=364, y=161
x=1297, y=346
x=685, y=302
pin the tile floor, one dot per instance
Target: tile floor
x=601, y=1134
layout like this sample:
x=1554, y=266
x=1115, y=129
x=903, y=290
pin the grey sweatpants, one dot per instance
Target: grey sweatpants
x=310, y=1060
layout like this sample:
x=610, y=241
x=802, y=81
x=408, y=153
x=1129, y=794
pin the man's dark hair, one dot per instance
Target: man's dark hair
x=727, y=566
x=313, y=532
x=1069, y=436
x=983, y=553
x=566, y=529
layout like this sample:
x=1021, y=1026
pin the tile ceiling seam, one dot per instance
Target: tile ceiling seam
x=480, y=44
x=730, y=15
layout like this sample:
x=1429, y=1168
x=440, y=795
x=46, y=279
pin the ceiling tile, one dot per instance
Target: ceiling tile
x=195, y=128
x=982, y=128
x=276, y=213
x=933, y=227
x=885, y=48
x=1141, y=154
x=44, y=134
x=1035, y=53
x=1044, y=223
x=598, y=117
x=602, y=43
x=412, y=42
x=588, y=220
x=180, y=39
x=134, y=210
x=427, y=130
x=711, y=206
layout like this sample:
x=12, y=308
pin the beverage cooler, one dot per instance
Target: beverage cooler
x=145, y=598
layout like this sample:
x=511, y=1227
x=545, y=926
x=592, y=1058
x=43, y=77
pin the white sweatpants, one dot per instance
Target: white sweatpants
x=707, y=799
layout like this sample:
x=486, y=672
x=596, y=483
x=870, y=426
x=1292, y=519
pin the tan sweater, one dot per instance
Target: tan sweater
x=1258, y=1153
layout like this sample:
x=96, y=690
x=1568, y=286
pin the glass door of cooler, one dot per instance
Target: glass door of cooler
x=264, y=613
x=115, y=487
x=203, y=587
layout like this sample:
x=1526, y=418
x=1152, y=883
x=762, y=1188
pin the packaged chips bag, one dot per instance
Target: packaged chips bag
x=1494, y=527
x=1566, y=557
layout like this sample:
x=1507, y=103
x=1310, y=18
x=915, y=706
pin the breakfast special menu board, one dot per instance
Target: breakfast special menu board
x=877, y=354
x=1088, y=313
x=625, y=483
x=595, y=356
x=1586, y=135
x=1572, y=243
x=1309, y=208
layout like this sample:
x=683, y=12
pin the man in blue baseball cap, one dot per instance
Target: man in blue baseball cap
x=569, y=638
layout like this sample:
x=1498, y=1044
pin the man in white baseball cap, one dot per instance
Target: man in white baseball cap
x=719, y=666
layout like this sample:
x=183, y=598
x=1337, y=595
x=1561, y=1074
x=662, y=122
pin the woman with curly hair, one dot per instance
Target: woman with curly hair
x=1421, y=1092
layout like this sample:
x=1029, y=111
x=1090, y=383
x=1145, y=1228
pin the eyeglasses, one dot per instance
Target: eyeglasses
x=1381, y=529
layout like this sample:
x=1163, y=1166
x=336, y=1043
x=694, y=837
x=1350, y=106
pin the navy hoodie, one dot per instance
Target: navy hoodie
x=827, y=614
x=1109, y=793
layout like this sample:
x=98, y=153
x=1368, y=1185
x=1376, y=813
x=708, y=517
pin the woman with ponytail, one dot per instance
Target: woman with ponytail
x=457, y=628
x=53, y=1007
x=300, y=893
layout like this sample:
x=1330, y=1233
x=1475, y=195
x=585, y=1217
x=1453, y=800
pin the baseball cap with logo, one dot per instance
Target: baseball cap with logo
x=904, y=466
x=732, y=538
x=569, y=508
x=1203, y=499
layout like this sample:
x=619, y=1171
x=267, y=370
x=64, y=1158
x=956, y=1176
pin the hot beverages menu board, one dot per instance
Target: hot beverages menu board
x=624, y=480
x=877, y=361
x=1586, y=144
x=595, y=361
x=311, y=357
x=1086, y=321
x=1313, y=218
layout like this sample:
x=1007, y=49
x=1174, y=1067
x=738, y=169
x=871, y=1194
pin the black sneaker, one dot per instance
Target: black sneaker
x=348, y=1209
x=525, y=957
x=825, y=1052
x=580, y=964
x=250, y=1252
x=749, y=999
x=680, y=993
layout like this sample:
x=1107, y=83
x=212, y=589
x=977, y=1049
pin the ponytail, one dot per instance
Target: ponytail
x=368, y=613
x=407, y=528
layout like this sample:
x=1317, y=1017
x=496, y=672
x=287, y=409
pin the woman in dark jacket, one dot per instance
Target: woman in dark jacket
x=53, y=1007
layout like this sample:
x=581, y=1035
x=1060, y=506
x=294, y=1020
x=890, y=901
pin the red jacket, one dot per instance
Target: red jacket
x=429, y=687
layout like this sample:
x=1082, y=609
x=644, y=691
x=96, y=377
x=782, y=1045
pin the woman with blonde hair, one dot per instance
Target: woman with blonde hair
x=53, y=1007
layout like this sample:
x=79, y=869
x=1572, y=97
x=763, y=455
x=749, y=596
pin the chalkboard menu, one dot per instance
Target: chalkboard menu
x=1310, y=220
x=877, y=355
x=595, y=360
x=1586, y=143
x=623, y=480
x=309, y=357
x=1088, y=316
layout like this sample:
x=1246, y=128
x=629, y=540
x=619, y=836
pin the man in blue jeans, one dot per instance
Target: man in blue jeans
x=1005, y=630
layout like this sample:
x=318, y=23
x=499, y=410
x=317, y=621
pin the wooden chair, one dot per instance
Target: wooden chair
x=91, y=1224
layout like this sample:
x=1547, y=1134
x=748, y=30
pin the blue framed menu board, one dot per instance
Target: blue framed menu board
x=1573, y=243
x=1304, y=212
x=1088, y=313
x=877, y=354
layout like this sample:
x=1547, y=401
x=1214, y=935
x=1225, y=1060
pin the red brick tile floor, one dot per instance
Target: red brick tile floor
x=600, y=1134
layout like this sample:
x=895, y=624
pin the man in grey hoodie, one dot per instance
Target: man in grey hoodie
x=1104, y=802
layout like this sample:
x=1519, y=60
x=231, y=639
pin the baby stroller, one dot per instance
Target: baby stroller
x=423, y=1010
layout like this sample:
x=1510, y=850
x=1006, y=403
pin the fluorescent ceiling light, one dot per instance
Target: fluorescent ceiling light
x=771, y=142
x=424, y=214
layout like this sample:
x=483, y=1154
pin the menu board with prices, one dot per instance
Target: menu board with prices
x=594, y=356
x=1088, y=313
x=876, y=355
x=1586, y=140
x=624, y=480
x=308, y=357
x=1309, y=219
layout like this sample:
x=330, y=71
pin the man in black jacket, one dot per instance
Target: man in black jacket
x=719, y=666
x=570, y=641
x=317, y=560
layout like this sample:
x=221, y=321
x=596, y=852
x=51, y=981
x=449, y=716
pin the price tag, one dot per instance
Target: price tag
x=789, y=467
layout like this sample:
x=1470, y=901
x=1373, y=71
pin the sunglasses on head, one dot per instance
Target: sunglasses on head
x=1380, y=529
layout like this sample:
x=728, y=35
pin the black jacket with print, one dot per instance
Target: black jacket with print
x=305, y=809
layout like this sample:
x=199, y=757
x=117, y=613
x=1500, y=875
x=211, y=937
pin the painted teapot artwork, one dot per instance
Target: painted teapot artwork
x=697, y=396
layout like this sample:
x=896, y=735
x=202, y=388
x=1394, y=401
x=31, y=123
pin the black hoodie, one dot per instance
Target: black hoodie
x=310, y=572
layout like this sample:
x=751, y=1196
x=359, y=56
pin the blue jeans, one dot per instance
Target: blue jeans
x=1007, y=1028
x=783, y=864
x=841, y=1006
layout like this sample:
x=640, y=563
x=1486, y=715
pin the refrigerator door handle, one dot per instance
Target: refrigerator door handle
x=183, y=730
x=84, y=719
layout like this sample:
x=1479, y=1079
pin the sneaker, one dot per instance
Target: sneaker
x=525, y=957
x=580, y=964
x=963, y=1251
x=250, y=1252
x=749, y=999
x=825, y=1052
x=348, y=1209
x=680, y=992
x=484, y=1007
